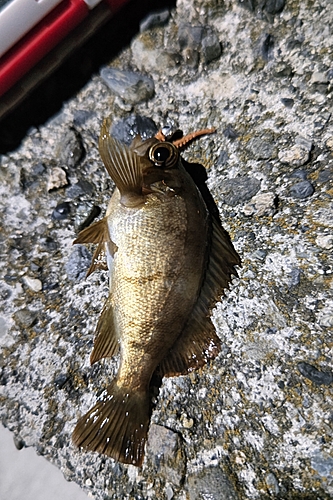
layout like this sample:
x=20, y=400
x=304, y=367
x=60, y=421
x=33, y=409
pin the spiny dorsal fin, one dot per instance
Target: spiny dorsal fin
x=123, y=166
x=198, y=342
x=106, y=342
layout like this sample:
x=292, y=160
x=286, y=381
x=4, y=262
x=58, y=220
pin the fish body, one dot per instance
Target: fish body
x=168, y=261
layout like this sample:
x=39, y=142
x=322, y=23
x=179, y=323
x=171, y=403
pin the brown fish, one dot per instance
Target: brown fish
x=169, y=262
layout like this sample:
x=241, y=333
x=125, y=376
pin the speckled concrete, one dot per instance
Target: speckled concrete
x=257, y=422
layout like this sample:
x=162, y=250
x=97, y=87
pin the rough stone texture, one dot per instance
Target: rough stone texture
x=302, y=190
x=125, y=130
x=258, y=420
x=131, y=86
x=261, y=204
x=239, y=189
x=210, y=483
x=57, y=179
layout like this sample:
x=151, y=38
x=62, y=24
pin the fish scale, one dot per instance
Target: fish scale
x=148, y=263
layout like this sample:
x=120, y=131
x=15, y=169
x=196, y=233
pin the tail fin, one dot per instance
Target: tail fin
x=116, y=426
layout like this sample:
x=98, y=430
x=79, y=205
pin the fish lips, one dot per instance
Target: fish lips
x=161, y=181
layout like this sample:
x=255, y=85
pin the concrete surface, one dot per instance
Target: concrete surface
x=257, y=422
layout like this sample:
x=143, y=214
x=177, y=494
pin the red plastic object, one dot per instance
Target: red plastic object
x=115, y=5
x=43, y=38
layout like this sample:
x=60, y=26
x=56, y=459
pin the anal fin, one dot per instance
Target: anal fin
x=198, y=342
x=106, y=343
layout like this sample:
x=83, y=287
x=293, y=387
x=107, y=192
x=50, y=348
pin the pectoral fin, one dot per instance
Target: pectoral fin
x=198, y=343
x=123, y=166
x=106, y=342
x=97, y=233
x=98, y=260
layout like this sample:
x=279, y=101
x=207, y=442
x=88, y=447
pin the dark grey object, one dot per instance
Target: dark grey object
x=316, y=376
x=210, y=46
x=125, y=130
x=78, y=263
x=61, y=211
x=239, y=189
x=302, y=190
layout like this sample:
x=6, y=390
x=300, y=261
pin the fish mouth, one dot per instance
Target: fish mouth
x=159, y=187
x=160, y=181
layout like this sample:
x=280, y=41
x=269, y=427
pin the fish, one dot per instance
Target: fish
x=169, y=262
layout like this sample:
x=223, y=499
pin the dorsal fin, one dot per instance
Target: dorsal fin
x=198, y=342
x=123, y=166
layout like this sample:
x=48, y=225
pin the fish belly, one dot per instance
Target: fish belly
x=152, y=284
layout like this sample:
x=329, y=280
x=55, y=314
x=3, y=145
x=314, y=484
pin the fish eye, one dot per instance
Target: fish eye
x=163, y=154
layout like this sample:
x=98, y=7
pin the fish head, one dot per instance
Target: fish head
x=146, y=167
x=161, y=166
